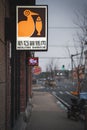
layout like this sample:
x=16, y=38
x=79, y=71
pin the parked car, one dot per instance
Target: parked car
x=51, y=82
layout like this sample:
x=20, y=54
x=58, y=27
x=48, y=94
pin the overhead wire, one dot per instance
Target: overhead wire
x=58, y=57
x=63, y=46
x=67, y=27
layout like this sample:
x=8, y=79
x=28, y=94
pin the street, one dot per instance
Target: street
x=62, y=91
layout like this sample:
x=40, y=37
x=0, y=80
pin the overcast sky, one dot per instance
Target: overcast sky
x=61, y=31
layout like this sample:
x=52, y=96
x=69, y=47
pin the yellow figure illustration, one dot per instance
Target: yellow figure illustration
x=38, y=25
x=26, y=28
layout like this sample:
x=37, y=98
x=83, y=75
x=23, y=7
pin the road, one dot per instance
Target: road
x=62, y=91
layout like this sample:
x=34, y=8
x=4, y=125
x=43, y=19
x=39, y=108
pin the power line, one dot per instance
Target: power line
x=64, y=46
x=58, y=57
x=62, y=27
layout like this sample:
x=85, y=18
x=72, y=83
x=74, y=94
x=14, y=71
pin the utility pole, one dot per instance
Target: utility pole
x=77, y=71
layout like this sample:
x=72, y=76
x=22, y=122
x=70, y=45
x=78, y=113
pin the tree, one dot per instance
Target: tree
x=82, y=38
x=52, y=67
x=81, y=23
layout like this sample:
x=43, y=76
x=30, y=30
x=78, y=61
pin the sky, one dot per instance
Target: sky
x=62, y=31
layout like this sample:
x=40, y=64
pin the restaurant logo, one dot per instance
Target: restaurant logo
x=26, y=28
x=31, y=27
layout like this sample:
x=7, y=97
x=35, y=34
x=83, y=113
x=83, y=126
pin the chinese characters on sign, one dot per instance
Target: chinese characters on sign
x=31, y=28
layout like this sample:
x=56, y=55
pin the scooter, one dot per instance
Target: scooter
x=82, y=103
x=76, y=110
x=73, y=111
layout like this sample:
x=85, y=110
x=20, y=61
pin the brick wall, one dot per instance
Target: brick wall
x=22, y=81
x=2, y=68
x=8, y=89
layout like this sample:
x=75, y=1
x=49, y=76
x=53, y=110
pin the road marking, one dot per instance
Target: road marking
x=60, y=92
x=54, y=93
x=69, y=94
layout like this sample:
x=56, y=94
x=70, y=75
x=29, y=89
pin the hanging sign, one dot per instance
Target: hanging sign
x=31, y=28
x=33, y=61
x=36, y=70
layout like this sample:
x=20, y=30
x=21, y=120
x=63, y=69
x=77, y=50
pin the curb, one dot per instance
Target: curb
x=20, y=124
x=62, y=101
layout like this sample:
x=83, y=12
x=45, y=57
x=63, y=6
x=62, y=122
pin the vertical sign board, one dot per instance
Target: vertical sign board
x=31, y=28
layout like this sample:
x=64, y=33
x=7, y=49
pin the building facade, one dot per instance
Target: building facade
x=15, y=74
x=4, y=12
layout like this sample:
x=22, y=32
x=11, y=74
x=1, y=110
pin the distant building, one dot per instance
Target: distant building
x=62, y=74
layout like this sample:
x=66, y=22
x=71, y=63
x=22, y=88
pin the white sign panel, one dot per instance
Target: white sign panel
x=31, y=28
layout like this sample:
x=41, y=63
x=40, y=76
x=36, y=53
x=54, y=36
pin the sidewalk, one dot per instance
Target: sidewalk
x=47, y=114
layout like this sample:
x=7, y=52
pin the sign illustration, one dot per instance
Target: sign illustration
x=33, y=61
x=27, y=27
x=31, y=26
x=38, y=25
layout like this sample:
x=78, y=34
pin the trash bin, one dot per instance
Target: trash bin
x=83, y=95
x=85, y=123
